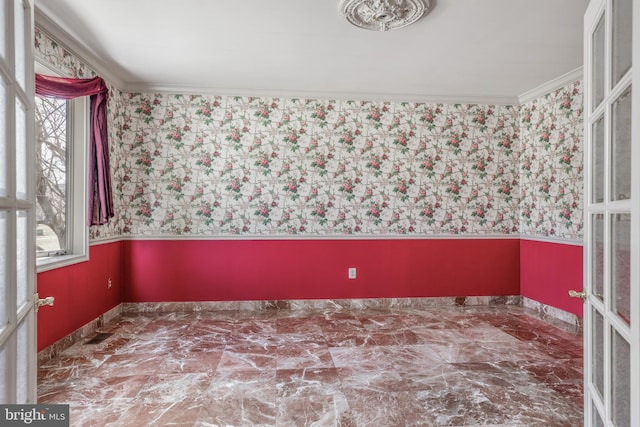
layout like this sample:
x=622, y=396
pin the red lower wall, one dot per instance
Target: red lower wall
x=81, y=292
x=219, y=270
x=548, y=271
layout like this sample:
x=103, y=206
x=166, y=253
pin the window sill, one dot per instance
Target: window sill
x=51, y=263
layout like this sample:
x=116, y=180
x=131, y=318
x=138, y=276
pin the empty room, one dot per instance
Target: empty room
x=319, y=213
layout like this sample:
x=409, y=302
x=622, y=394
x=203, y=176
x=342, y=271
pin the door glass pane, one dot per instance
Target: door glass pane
x=20, y=57
x=597, y=154
x=622, y=25
x=4, y=280
x=620, y=380
x=597, y=63
x=595, y=417
x=22, y=259
x=3, y=139
x=597, y=265
x=21, y=151
x=4, y=373
x=621, y=147
x=3, y=24
x=22, y=369
x=620, y=265
x=597, y=361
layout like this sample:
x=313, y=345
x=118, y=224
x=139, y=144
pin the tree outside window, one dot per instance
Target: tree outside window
x=51, y=131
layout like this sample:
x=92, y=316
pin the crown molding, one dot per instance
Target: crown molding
x=550, y=86
x=319, y=95
x=64, y=36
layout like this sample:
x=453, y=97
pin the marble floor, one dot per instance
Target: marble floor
x=458, y=366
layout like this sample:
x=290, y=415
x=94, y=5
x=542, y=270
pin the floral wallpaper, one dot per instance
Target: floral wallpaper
x=194, y=165
x=49, y=50
x=205, y=165
x=551, y=164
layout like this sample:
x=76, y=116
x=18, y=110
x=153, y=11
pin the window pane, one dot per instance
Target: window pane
x=21, y=151
x=621, y=146
x=4, y=280
x=597, y=63
x=51, y=174
x=597, y=156
x=597, y=362
x=22, y=259
x=21, y=73
x=620, y=265
x=620, y=380
x=597, y=264
x=4, y=191
x=622, y=25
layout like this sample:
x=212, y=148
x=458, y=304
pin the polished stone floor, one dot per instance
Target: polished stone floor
x=457, y=366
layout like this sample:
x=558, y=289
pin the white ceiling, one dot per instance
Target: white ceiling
x=465, y=50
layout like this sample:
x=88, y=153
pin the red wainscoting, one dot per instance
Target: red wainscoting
x=548, y=271
x=219, y=270
x=81, y=292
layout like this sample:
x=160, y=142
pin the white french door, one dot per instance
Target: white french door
x=17, y=264
x=612, y=214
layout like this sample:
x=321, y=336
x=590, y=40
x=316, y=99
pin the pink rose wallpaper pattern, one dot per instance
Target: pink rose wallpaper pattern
x=196, y=165
x=551, y=164
x=221, y=165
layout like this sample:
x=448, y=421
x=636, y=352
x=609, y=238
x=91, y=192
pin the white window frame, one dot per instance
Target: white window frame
x=76, y=204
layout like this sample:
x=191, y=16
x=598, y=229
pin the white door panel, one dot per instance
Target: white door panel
x=612, y=232
x=17, y=252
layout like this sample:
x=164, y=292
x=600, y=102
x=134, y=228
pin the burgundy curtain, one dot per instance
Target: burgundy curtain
x=100, y=197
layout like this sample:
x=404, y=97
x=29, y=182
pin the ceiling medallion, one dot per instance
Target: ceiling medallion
x=383, y=15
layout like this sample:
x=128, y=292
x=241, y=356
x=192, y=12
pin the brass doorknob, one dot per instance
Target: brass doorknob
x=575, y=294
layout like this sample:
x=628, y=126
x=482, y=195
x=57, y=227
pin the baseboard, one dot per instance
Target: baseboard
x=317, y=304
x=557, y=317
x=79, y=334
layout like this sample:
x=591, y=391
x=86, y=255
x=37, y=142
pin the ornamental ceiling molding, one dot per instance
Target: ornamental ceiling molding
x=383, y=15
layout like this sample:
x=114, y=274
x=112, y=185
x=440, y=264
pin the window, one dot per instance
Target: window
x=60, y=139
x=52, y=140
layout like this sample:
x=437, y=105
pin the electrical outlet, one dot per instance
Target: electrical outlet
x=109, y=283
x=352, y=272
